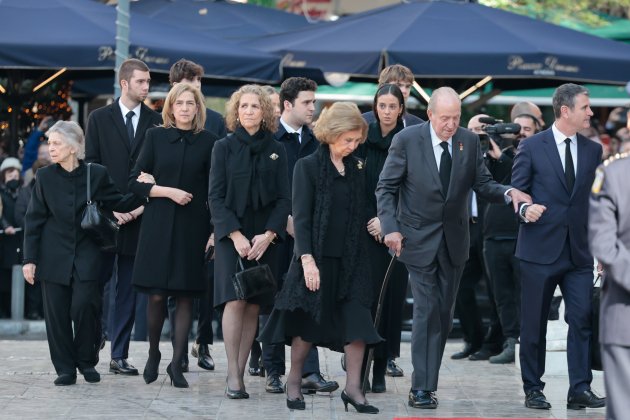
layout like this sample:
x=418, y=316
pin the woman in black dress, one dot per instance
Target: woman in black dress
x=172, y=175
x=326, y=297
x=249, y=199
x=62, y=257
x=389, y=108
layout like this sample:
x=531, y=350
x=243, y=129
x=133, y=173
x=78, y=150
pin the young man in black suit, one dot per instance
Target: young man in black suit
x=114, y=137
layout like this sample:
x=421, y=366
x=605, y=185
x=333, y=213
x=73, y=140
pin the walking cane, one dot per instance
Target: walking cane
x=377, y=321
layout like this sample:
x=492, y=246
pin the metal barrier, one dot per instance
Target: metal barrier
x=17, y=293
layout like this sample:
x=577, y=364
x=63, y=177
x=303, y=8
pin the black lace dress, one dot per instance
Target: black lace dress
x=342, y=315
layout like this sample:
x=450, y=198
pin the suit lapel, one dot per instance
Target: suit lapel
x=457, y=153
x=118, y=123
x=551, y=148
x=429, y=157
x=581, y=160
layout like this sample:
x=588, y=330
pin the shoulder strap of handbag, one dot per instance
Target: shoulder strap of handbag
x=89, y=186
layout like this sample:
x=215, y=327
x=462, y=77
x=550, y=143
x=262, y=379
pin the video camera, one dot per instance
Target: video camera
x=494, y=129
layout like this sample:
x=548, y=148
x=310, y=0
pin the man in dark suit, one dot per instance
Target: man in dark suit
x=609, y=239
x=557, y=167
x=114, y=136
x=402, y=77
x=422, y=197
x=297, y=106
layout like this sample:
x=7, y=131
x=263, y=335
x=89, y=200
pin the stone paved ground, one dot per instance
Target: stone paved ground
x=471, y=389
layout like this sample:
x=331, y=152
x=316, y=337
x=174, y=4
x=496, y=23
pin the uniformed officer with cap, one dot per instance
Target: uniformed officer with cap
x=609, y=238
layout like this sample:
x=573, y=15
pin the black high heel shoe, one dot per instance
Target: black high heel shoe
x=295, y=403
x=176, y=382
x=150, y=373
x=361, y=408
x=235, y=394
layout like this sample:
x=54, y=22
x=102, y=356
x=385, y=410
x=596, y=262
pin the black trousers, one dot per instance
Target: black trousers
x=77, y=305
x=466, y=307
x=504, y=275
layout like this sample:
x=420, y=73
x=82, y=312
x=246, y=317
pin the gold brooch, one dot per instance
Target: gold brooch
x=360, y=165
x=461, y=146
x=274, y=156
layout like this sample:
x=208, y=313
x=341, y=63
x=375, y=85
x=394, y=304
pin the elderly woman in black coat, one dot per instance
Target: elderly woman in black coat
x=249, y=199
x=60, y=255
x=172, y=175
x=326, y=297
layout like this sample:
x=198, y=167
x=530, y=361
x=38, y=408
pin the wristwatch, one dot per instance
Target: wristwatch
x=523, y=210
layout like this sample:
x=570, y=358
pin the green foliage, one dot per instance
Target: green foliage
x=577, y=14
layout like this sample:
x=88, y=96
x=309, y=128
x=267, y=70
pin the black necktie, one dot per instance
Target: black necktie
x=129, y=125
x=295, y=136
x=445, y=167
x=569, y=169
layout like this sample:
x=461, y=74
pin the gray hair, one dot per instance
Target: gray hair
x=72, y=134
x=441, y=92
x=565, y=95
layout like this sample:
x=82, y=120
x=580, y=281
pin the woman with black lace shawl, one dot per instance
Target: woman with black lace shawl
x=249, y=203
x=326, y=297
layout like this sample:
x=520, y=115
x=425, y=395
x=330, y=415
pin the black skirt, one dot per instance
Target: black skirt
x=341, y=322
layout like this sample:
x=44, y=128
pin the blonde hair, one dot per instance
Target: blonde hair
x=72, y=135
x=269, y=121
x=175, y=92
x=339, y=118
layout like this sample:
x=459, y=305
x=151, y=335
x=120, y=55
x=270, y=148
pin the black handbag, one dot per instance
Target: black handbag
x=99, y=227
x=253, y=281
x=596, y=353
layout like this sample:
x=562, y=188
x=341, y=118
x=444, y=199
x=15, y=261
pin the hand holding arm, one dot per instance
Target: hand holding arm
x=260, y=243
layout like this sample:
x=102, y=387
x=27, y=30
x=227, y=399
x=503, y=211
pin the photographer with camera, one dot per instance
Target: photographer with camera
x=476, y=345
x=501, y=231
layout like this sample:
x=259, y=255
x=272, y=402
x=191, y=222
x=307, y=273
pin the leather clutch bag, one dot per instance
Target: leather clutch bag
x=253, y=281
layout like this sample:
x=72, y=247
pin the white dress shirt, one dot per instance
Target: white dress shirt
x=134, y=119
x=562, y=146
x=437, y=149
x=290, y=129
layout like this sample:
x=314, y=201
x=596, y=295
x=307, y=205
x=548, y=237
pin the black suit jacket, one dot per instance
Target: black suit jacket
x=295, y=150
x=106, y=143
x=54, y=239
x=215, y=123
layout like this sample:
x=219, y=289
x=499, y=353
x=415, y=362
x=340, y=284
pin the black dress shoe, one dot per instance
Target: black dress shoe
x=122, y=367
x=378, y=384
x=422, y=399
x=360, y=407
x=536, y=399
x=90, y=375
x=315, y=382
x=465, y=352
x=483, y=354
x=586, y=399
x=202, y=353
x=274, y=384
x=393, y=369
x=66, y=379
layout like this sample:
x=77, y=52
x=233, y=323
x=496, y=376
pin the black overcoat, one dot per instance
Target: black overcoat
x=53, y=238
x=227, y=178
x=107, y=143
x=172, y=240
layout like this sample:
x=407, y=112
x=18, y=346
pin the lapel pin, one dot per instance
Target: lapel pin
x=360, y=164
x=273, y=156
x=461, y=146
